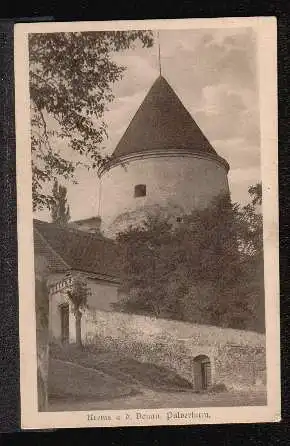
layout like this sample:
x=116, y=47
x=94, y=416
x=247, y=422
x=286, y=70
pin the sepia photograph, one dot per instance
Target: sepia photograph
x=147, y=222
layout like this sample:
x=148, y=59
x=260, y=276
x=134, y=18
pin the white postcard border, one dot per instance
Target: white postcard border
x=265, y=28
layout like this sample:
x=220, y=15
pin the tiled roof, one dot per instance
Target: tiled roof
x=77, y=249
x=162, y=122
x=42, y=249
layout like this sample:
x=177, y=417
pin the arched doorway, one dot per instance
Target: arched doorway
x=202, y=372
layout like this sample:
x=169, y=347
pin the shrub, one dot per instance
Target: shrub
x=218, y=388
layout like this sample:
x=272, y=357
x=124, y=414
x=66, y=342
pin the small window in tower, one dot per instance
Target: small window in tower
x=179, y=219
x=140, y=190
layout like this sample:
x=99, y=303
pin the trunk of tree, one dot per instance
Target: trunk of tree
x=42, y=341
x=78, y=317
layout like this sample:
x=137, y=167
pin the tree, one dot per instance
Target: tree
x=60, y=211
x=212, y=269
x=255, y=192
x=71, y=78
x=206, y=270
x=144, y=272
x=251, y=234
x=78, y=295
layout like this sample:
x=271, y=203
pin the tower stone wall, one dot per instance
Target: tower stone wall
x=178, y=182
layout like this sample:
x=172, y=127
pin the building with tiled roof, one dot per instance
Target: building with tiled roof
x=79, y=250
x=69, y=252
x=163, y=159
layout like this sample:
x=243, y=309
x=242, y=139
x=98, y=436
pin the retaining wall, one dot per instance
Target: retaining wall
x=237, y=357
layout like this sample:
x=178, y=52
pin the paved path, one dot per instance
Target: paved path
x=150, y=399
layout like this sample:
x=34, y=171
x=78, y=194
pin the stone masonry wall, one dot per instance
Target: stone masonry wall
x=237, y=357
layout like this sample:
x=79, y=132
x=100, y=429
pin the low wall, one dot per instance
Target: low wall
x=237, y=357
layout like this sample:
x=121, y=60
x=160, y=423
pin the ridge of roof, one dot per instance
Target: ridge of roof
x=74, y=229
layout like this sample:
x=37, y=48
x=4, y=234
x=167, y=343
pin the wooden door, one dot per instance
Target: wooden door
x=197, y=376
x=202, y=373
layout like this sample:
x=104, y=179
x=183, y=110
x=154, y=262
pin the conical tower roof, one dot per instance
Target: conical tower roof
x=162, y=122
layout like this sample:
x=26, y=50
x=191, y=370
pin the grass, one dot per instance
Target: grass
x=127, y=370
x=82, y=379
x=152, y=376
x=75, y=383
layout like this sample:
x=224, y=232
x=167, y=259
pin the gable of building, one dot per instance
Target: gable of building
x=72, y=249
x=44, y=254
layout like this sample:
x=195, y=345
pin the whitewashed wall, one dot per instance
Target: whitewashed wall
x=103, y=295
x=188, y=182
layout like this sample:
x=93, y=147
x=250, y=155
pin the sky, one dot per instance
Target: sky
x=214, y=73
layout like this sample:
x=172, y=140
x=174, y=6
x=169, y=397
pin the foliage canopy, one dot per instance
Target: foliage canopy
x=71, y=78
x=207, y=269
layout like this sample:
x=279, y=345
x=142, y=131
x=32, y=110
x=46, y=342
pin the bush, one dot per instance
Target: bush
x=218, y=388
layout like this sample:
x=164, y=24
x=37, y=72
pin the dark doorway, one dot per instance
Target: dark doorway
x=64, y=322
x=202, y=372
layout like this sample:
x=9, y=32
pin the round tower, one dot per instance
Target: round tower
x=163, y=161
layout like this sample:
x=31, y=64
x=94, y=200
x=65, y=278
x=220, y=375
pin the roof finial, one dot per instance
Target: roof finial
x=159, y=57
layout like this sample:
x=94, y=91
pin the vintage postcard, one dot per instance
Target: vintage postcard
x=148, y=222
